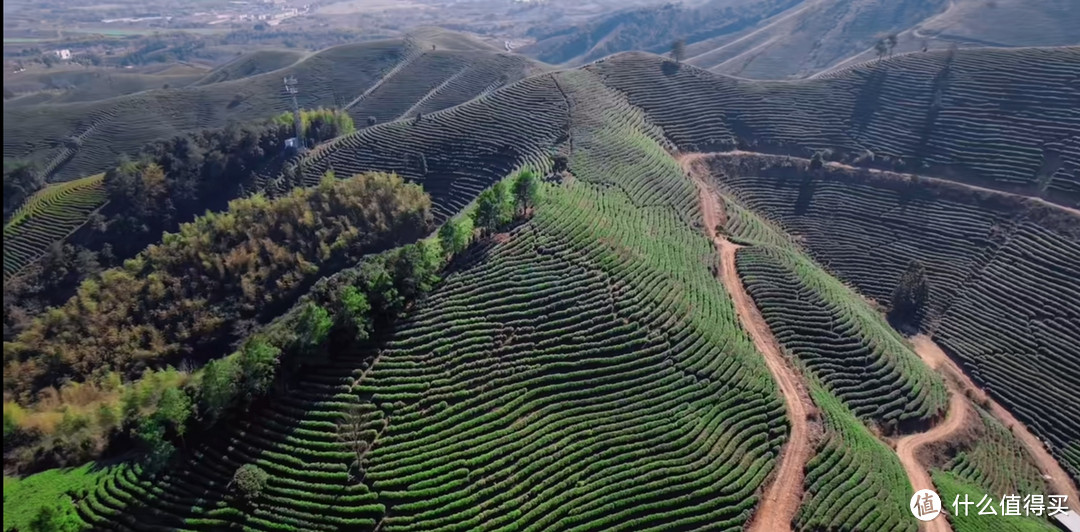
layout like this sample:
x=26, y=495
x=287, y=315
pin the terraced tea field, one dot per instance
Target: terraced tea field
x=579, y=373
x=999, y=118
x=854, y=481
x=857, y=357
x=403, y=75
x=995, y=463
x=48, y=217
x=458, y=152
x=990, y=262
x=652, y=349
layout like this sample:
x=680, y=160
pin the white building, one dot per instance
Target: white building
x=63, y=55
x=1070, y=520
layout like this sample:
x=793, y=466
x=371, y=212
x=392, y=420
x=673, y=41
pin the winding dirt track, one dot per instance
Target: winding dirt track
x=960, y=384
x=907, y=449
x=782, y=498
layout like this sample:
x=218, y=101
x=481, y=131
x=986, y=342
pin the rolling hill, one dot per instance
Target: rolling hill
x=47, y=217
x=673, y=338
x=85, y=84
x=774, y=39
x=385, y=79
x=253, y=64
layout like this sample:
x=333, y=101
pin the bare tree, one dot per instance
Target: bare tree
x=891, y=40
x=678, y=50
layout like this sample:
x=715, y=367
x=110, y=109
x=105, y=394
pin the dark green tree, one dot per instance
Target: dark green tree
x=455, y=234
x=379, y=287
x=881, y=48
x=21, y=180
x=174, y=409
x=910, y=296
x=356, y=310
x=218, y=387
x=678, y=50
x=505, y=202
x=486, y=216
x=526, y=190
x=157, y=450
x=258, y=359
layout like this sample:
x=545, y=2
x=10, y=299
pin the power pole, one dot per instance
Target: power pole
x=291, y=90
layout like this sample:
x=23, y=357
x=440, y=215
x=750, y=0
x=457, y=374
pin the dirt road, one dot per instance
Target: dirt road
x=907, y=449
x=960, y=384
x=783, y=496
x=876, y=171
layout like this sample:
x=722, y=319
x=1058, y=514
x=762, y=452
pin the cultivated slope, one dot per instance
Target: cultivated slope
x=577, y=373
x=47, y=217
x=252, y=64
x=1001, y=269
x=395, y=77
x=1000, y=118
x=777, y=39
x=84, y=84
x=587, y=369
x=866, y=242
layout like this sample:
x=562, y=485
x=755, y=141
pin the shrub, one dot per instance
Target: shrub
x=53, y=518
x=250, y=481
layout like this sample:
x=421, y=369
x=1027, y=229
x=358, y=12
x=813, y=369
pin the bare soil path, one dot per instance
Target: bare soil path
x=1059, y=481
x=734, y=154
x=908, y=447
x=783, y=496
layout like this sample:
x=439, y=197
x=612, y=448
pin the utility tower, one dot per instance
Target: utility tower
x=291, y=90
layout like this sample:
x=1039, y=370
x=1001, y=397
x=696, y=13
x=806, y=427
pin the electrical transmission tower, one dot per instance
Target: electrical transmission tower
x=291, y=90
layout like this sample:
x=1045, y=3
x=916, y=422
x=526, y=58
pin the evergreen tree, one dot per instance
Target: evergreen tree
x=455, y=235
x=910, y=296
x=486, y=216
x=526, y=190
x=881, y=48
x=678, y=50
